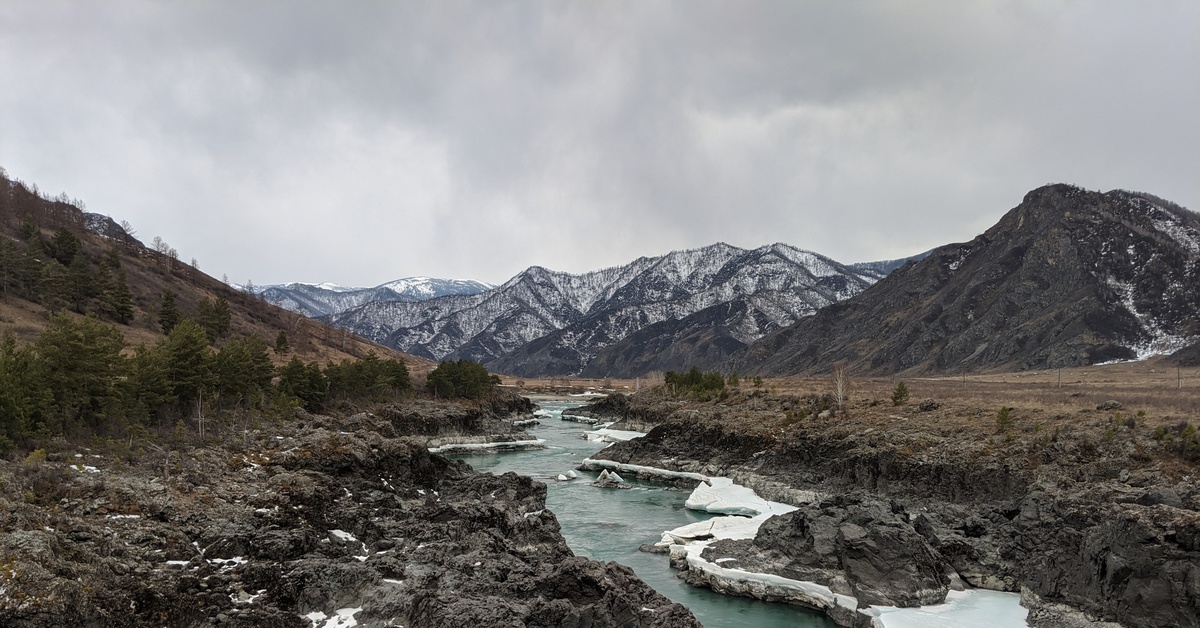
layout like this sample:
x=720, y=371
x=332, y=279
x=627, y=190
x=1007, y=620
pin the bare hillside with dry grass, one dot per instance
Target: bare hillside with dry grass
x=149, y=273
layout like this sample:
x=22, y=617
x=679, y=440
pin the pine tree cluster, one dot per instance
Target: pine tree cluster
x=80, y=379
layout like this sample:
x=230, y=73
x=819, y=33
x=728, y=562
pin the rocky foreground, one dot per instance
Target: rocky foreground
x=323, y=521
x=1090, y=517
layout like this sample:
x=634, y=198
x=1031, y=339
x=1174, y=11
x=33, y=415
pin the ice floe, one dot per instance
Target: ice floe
x=721, y=496
x=592, y=464
x=606, y=435
x=467, y=448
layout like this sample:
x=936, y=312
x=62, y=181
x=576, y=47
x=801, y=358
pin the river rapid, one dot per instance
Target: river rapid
x=610, y=525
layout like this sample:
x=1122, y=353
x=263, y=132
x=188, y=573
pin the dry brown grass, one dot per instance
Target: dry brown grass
x=1043, y=411
x=1153, y=386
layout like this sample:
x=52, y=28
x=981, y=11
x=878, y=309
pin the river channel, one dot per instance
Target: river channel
x=610, y=525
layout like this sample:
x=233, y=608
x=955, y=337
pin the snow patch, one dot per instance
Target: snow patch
x=344, y=536
x=341, y=618
x=1161, y=342
x=1187, y=238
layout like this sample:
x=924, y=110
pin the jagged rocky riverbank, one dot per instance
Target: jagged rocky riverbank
x=322, y=521
x=1089, y=530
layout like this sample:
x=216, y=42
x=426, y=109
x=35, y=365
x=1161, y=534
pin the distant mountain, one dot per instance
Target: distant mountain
x=325, y=299
x=1069, y=277
x=543, y=322
x=108, y=228
x=882, y=269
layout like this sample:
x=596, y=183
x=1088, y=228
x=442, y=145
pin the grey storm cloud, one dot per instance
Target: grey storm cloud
x=360, y=142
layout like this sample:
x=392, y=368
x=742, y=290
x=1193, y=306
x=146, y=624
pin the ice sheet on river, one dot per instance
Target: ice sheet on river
x=976, y=608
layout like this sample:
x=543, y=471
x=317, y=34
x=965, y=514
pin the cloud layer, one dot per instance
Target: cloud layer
x=360, y=142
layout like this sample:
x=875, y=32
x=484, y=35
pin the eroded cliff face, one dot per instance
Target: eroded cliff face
x=322, y=515
x=908, y=508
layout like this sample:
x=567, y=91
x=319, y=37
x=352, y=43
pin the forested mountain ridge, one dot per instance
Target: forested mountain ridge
x=1069, y=277
x=317, y=300
x=544, y=322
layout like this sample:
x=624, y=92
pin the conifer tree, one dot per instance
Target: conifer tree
x=304, y=382
x=243, y=367
x=80, y=364
x=8, y=266
x=149, y=379
x=118, y=301
x=64, y=246
x=54, y=285
x=20, y=385
x=81, y=286
x=189, y=361
x=214, y=316
x=168, y=313
x=281, y=342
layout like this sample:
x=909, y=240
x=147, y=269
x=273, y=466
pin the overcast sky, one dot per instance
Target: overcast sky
x=358, y=142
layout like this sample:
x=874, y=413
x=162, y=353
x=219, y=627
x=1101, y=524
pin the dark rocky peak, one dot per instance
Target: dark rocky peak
x=1068, y=277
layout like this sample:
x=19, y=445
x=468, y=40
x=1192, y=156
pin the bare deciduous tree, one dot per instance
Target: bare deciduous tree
x=841, y=383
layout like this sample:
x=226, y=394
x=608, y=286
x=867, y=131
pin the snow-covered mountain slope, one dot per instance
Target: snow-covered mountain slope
x=317, y=300
x=543, y=322
x=1069, y=277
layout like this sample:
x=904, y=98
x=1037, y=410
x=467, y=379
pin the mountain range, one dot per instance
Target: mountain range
x=1069, y=277
x=315, y=300
x=543, y=322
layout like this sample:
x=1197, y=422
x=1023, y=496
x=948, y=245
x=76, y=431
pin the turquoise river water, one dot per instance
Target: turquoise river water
x=606, y=524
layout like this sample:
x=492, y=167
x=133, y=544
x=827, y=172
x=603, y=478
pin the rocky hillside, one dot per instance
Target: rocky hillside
x=543, y=322
x=316, y=300
x=1068, y=277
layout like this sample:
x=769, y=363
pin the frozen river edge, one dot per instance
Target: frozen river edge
x=744, y=512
